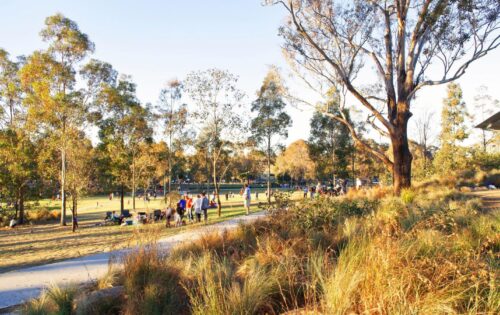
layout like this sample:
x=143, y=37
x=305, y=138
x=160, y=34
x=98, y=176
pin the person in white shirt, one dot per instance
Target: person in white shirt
x=197, y=207
x=246, y=198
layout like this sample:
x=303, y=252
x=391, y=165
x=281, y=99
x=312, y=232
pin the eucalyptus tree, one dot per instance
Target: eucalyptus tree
x=272, y=122
x=18, y=167
x=49, y=82
x=217, y=99
x=123, y=127
x=330, y=143
x=80, y=170
x=10, y=90
x=411, y=44
x=173, y=116
x=451, y=156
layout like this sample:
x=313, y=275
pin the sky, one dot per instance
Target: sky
x=155, y=41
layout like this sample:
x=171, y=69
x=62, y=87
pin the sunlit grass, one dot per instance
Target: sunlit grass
x=44, y=243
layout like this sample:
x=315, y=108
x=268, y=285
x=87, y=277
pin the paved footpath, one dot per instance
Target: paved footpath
x=20, y=285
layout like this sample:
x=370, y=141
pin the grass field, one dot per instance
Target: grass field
x=49, y=242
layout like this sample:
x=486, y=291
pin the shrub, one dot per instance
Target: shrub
x=152, y=286
x=43, y=215
x=37, y=306
x=63, y=298
x=214, y=288
x=106, y=302
x=407, y=196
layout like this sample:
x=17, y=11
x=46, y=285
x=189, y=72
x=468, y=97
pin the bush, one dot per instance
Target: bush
x=104, y=302
x=152, y=286
x=407, y=196
x=43, y=215
x=63, y=298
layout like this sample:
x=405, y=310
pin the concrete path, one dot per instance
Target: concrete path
x=20, y=285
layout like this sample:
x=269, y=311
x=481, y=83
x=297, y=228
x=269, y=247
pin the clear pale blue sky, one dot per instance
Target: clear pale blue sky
x=154, y=41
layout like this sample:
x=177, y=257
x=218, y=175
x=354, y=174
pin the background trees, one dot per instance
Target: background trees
x=453, y=131
x=296, y=162
x=330, y=144
x=54, y=101
x=217, y=101
x=49, y=82
x=124, y=126
x=271, y=122
x=331, y=41
x=173, y=116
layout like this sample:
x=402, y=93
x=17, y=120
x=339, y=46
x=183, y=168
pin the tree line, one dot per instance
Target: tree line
x=73, y=125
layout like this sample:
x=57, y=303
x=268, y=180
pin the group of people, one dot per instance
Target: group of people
x=337, y=189
x=193, y=207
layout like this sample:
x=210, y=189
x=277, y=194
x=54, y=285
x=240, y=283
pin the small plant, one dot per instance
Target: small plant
x=151, y=284
x=62, y=297
x=37, y=306
x=407, y=196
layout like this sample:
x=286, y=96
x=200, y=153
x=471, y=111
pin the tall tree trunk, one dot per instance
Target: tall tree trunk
x=11, y=110
x=401, y=171
x=21, y=206
x=74, y=216
x=122, y=205
x=269, y=171
x=133, y=182
x=165, y=186
x=63, y=188
x=484, y=140
x=170, y=162
x=216, y=188
x=353, y=169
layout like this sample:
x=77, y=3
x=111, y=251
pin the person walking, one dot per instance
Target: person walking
x=246, y=198
x=197, y=207
x=204, y=206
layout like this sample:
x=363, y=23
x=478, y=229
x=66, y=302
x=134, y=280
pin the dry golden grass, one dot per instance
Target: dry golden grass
x=431, y=250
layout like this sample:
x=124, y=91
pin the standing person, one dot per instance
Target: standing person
x=305, y=192
x=204, y=206
x=256, y=195
x=197, y=207
x=343, y=184
x=181, y=209
x=189, y=207
x=319, y=188
x=246, y=198
x=359, y=183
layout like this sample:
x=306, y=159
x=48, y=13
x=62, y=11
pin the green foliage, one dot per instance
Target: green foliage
x=330, y=142
x=320, y=213
x=451, y=156
x=407, y=196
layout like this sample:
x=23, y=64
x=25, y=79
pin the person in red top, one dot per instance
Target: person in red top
x=189, y=207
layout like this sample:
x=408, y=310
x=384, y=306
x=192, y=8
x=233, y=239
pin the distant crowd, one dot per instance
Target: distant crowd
x=190, y=207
